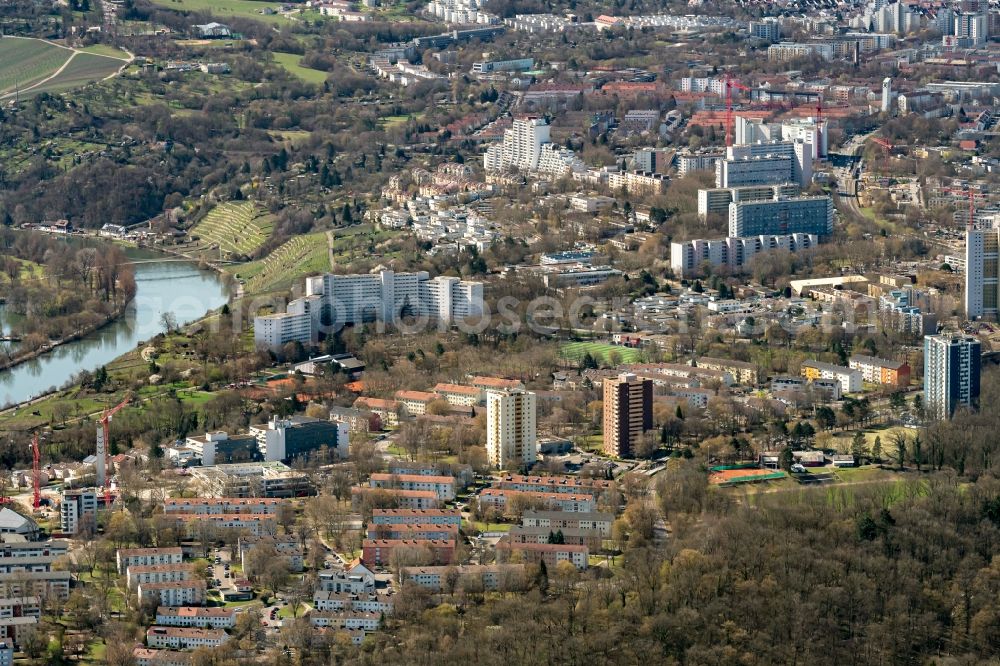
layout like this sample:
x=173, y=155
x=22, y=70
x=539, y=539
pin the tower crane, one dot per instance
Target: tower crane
x=36, y=473
x=103, y=440
x=972, y=195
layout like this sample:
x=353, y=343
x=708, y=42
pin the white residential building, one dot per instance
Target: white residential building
x=178, y=593
x=982, y=275
x=386, y=296
x=850, y=380
x=78, y=510
x=526, y=147
x=184, y=638
x=689, y=258
x=510, y=428
x=196, y=616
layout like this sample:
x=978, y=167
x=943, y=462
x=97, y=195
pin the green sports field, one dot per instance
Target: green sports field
x=599, y=350
x=290, y=61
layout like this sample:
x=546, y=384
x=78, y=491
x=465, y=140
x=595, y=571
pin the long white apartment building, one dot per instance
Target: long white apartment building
x=795, y=215
x=384, y=296
x=128, y=557
x=770, y=163
x=690, y=258
x=716, y=200
x=184, y=638
x=177, y=593
x=196, y=616
x=442, y=486
x=222, y=505
x=158, y=573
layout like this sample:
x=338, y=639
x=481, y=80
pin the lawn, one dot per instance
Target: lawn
x=223, y=9
x=600, y=351
x=27, y=61
x=105, y=50
x=480, y=526
x=291, y=63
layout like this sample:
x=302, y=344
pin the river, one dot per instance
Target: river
x=163, y=286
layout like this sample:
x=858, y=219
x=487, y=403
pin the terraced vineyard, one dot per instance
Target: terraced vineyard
x=238, y=228
x=302, y=255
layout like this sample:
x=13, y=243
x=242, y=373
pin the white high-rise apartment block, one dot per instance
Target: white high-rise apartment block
x=952, y=364
x=886, y=94
x=982, y=275
x=78, y=510
x=521, y=146
x=807, y=130
x=335, y=300
x=526, y=147
x=510, y=428
x=973, y=26
x=300, y=322
x=770, y=163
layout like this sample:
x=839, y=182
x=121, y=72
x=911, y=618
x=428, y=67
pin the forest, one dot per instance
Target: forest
x=885, y=574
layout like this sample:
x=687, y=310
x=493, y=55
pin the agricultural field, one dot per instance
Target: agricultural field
x=32, y=66
x=300, y=256
x=290, y=62
x=238, y=228
x=25, y=62
x=84, y=68
x=223, y=9
x=602, y=352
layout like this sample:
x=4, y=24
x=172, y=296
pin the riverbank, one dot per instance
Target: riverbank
x=169, y=286
x=16, y=359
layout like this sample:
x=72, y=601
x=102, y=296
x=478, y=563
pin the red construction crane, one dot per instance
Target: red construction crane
x=730, y=84
x=103, y=442
x=819, y=110
x=36, y=473
x=967, y=192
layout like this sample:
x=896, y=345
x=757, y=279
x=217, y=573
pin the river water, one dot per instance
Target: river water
x=162, y=286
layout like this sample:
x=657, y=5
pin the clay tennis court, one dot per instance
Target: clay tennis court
x=731, y=475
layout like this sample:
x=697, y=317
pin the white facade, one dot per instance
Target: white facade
x=886, y=94
x=184, y=638
x=335, y=300
x=521, y=146
x=688, y=258
x=510, y=428
x=981, y=273
x=300, y=322
x=850, y=380
x=182, y=593
x=766, y=164
x=78, y=510
x=526, y=147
